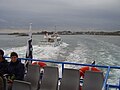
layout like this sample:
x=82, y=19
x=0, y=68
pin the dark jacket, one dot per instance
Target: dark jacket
x=3, y=67
x=17, y=69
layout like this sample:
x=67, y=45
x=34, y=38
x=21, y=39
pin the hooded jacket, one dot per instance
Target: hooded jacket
x=3, y=66
x=17, y=69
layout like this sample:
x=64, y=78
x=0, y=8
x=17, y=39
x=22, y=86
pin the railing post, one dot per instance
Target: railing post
x=107, y=88
x=119, y=83
x=62, y=67
x=106, y=78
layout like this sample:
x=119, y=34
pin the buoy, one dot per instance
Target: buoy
x=83, y=69
x=41, y=64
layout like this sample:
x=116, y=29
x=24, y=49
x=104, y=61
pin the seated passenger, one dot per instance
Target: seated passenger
x=16, y=69
x=3, y=63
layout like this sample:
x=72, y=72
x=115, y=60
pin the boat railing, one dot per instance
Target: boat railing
x=106, y=85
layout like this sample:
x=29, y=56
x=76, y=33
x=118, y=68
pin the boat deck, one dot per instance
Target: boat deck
x=105, y=85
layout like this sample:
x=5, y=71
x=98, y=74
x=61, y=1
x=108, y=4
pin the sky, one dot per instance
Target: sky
x=72, y=15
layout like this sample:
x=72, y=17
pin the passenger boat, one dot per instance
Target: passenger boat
x=70, y=77
x=51, y=40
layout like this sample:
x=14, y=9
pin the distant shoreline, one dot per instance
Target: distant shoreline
x=116, y=33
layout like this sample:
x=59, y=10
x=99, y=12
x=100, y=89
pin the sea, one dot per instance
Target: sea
x=104, y=50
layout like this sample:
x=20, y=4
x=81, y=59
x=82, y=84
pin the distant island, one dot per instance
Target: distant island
x=117, y=33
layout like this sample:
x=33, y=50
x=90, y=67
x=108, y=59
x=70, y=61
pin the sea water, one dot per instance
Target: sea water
x=105, y=50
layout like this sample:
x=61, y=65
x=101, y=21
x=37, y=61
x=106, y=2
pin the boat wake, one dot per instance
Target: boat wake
x=104, y=53
x=39, y=52
x=86, y=51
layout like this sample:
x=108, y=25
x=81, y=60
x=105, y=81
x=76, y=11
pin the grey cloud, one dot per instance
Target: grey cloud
x=76, y=13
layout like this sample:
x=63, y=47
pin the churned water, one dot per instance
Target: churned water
x=105, y=50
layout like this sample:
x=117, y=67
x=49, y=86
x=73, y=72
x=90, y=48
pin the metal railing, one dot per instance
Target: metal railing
x=106, y=85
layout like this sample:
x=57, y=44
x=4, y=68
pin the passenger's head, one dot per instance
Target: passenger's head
x=1, y=54
x=14, y=56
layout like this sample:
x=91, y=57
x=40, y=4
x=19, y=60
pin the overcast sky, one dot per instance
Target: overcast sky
x=64, y=14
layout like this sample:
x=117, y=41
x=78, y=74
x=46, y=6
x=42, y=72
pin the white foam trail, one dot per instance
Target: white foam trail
x=47, y=52
x=78, y=55
x=105, y=54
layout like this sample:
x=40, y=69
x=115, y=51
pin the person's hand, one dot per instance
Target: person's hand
x=10, y=81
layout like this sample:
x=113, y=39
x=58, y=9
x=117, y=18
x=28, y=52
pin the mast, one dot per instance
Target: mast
x=30, y=31
x=29, y=44
x=55, y=28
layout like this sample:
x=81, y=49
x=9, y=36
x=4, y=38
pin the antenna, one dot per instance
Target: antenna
x=55, y=28
x=30, y=31
x=30, y=26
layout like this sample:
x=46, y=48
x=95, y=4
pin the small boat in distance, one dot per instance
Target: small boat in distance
x=51, y=39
